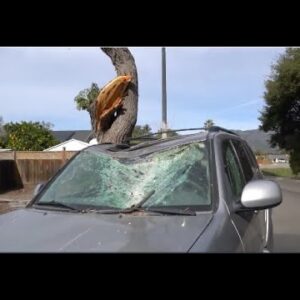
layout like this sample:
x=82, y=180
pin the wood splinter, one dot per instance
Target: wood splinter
x=110, y=99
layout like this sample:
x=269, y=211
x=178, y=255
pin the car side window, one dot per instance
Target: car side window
x=244, y=160
x=254, y=164
x=232, y=170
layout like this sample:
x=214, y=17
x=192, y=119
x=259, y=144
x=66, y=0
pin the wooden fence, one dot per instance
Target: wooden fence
x=30, y=167
x=9, y=176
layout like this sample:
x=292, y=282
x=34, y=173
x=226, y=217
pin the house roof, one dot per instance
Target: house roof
x=65, y=135
x=279, y=156
x=82, y=135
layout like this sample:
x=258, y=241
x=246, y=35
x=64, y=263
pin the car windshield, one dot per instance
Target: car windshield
x=176, y=177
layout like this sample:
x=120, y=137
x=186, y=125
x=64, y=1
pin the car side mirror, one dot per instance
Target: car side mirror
x=38, y=188
x=261, y=194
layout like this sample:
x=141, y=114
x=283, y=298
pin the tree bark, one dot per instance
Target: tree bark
x=120, y=125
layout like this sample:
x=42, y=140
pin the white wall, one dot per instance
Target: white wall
x=72, y=145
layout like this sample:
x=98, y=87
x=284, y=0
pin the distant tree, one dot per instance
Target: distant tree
x=3, y=139
x=146, y=130
x=141, y=130
x=29, y=136
x=1, y=124
x=283, y=151
x=281, y=113
x=258, y=153
x=208, y=123
x=169, y=134
x=86, y=97
x=295, y=162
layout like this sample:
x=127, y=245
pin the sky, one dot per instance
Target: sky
x=225, y=84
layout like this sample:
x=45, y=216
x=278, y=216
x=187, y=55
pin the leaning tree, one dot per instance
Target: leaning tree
x=119, y=126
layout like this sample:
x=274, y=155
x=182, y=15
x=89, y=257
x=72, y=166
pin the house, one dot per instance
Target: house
x=279, y=158
x=72, y=140
x=70, y=145
x=80, y=135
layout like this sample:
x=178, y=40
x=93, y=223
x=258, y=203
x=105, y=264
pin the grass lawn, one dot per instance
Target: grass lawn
x=280, y=172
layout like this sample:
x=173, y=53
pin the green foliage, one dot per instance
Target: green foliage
x=86, y=97
x=29, y=136
x=258, y=153
x=281, y=113
x=208, y=123
x=280, y=172
x=146, y=129
x=169, y=134
x=295, y=162
x=141, y=130
x=3, y=138
x=1, y=125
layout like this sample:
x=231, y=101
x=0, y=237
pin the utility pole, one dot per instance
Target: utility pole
x=164, y=126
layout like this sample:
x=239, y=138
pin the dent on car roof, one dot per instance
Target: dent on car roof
x=148, y=147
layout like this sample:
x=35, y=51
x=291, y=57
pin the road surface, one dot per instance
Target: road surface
x=286, y=217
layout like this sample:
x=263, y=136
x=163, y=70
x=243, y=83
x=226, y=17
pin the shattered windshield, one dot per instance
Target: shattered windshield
x=174, y=177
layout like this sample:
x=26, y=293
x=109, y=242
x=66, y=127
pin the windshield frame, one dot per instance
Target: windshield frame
x=195, y=208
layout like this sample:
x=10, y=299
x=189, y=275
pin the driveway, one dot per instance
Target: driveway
x=16, y=198
x=286, y=217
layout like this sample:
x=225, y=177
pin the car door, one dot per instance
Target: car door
x=238, y=172
x=263, y=217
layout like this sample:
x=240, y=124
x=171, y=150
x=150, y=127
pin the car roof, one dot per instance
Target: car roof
x=145, y=148
x=155, y=145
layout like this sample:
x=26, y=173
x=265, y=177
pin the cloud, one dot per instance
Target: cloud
x=238, y=124
x=238, y=106
x=41, y=83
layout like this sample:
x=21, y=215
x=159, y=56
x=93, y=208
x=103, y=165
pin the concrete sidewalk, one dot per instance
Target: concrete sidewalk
x=16, y=198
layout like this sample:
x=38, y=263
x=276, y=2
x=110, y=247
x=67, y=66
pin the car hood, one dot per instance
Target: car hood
x=32, y=230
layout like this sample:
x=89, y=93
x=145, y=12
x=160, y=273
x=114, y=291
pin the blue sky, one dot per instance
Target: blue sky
x=221, y=83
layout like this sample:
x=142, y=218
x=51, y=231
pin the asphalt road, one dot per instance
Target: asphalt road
x=286, y=217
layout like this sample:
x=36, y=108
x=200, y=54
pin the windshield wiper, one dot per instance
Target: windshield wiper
x=58, y=204
x=172, y=211
x=138, y=207
x=135, y=207
x=139, y=204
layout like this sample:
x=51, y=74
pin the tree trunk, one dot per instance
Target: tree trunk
x=121, y=124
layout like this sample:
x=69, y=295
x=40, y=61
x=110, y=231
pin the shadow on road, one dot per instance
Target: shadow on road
x=286, y=243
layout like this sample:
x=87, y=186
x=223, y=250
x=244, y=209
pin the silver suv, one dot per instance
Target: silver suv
x=199, y=192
